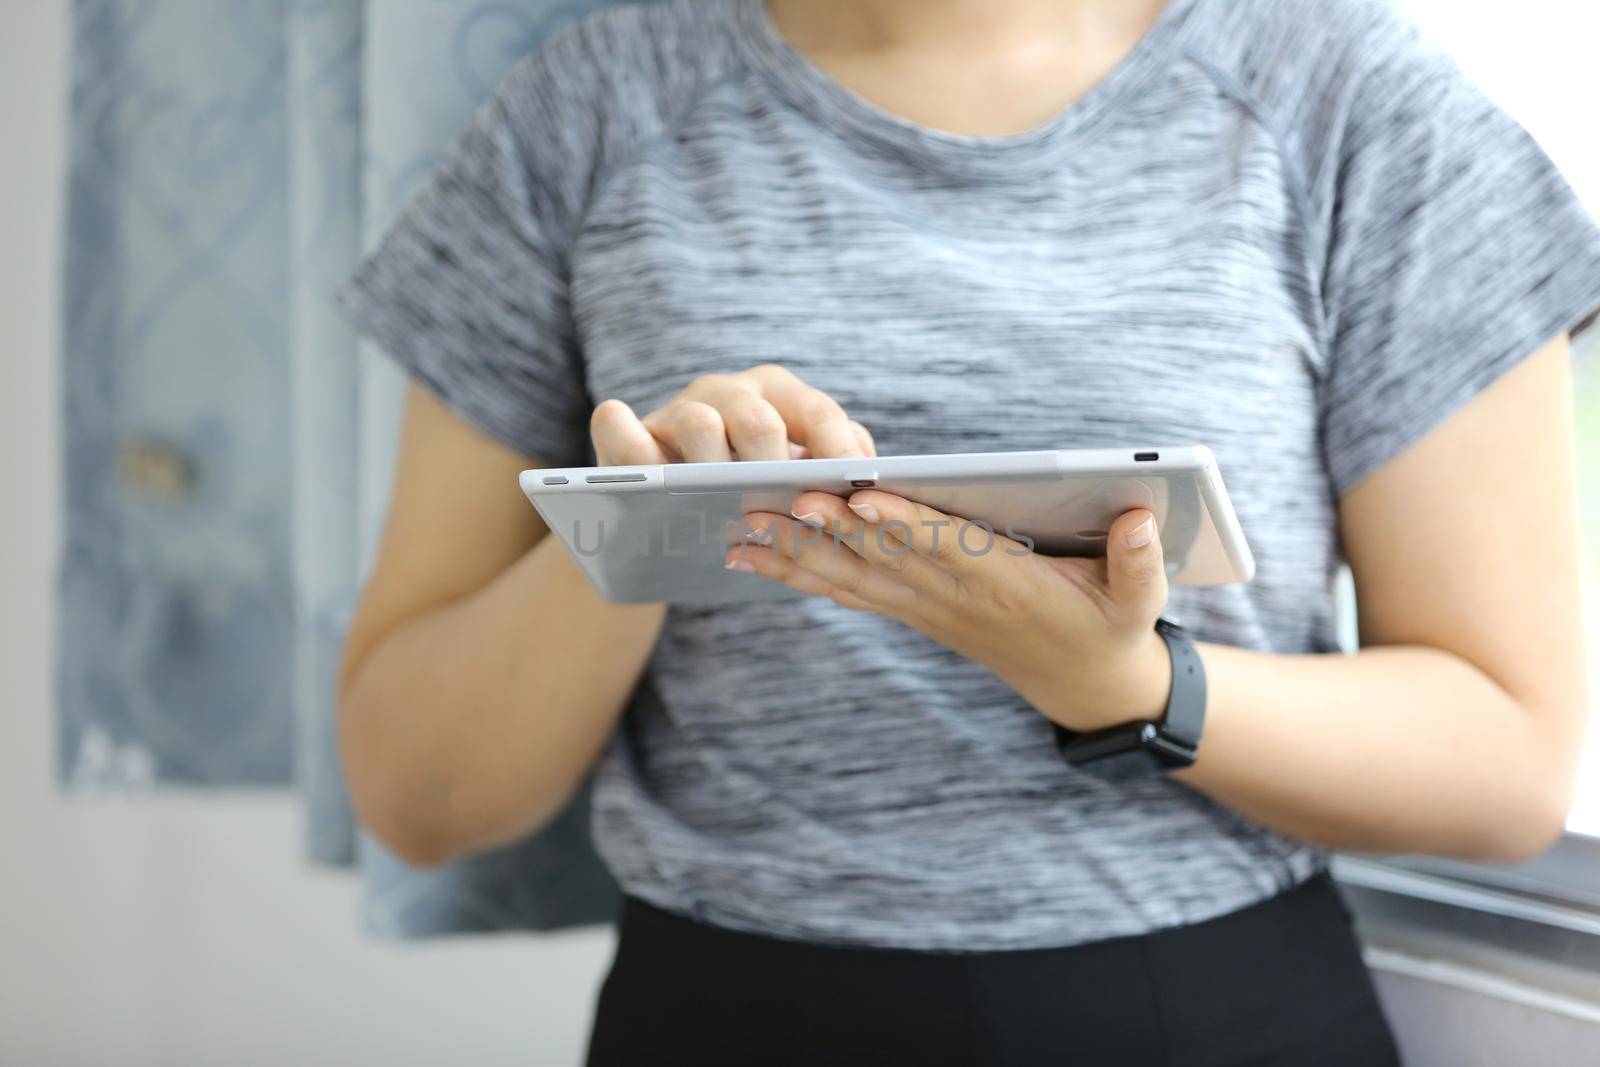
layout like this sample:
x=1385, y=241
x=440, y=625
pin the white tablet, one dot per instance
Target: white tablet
x=660, y=533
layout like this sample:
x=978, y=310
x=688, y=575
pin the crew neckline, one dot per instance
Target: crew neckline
x=818, y=94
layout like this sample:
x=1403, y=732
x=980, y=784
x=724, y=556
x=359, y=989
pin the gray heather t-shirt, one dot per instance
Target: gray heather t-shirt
x=1288, y=229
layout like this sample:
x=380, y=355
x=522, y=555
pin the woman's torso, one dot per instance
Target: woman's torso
x=1142, y=270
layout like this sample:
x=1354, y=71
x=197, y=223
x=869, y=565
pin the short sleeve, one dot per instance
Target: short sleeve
x=1456, y=251
x=468, y=291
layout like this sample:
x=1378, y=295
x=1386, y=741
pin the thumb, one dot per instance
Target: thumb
x=1135, y=569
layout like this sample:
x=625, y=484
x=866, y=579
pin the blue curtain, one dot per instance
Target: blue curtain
x=229, y=443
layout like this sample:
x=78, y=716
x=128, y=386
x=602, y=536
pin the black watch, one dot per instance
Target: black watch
x=1145, y=747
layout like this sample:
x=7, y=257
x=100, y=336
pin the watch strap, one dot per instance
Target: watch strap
x=1186, y=703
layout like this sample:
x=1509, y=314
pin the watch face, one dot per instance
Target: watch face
x=1134, y=751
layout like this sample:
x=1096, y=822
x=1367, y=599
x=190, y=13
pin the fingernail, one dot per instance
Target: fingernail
x=759, y=534
x=867, y=512
x=1141, y=534
x=743, y=566
x=810, y=518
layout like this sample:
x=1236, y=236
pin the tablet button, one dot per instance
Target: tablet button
x=555, y=480
x=862, y=479
x=596, y=478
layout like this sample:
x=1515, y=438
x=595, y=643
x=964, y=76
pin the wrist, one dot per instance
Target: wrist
x=1128, y=684
x=1149, y=681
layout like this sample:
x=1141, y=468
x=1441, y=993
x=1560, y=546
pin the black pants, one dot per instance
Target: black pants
x=1281, y=982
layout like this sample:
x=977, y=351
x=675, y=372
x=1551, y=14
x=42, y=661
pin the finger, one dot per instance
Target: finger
x=814, y=418
x=753, y=426
x=878, y=545
x=957, y=545
x=692, y=429
x=864, y=438
x=815, y=551
x=778, y=567
x=1135, y=572
x=620, y=439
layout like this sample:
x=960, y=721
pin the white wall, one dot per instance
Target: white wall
x=1536, y=58
x=183, y=929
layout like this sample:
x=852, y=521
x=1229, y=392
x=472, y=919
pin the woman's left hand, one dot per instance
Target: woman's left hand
x=1075, y=637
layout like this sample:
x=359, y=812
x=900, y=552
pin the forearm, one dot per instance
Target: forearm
x=1395, y=749
x=472, y=724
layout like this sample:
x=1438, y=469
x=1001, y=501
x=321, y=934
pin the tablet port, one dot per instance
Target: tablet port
x=862, y=483
x=1146, y=457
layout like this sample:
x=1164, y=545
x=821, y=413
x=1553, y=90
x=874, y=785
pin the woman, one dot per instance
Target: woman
x=1287, y=229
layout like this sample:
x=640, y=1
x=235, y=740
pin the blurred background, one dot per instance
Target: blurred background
x=158, y=909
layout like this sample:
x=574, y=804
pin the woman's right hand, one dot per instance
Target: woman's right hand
x=761, y=413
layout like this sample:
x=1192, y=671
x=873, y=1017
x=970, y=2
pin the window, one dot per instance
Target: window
x=1538, y=63
x=1539, y=920
x=1585, y=817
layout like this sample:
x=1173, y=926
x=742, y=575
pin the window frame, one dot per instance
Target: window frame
x=1537, y=922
